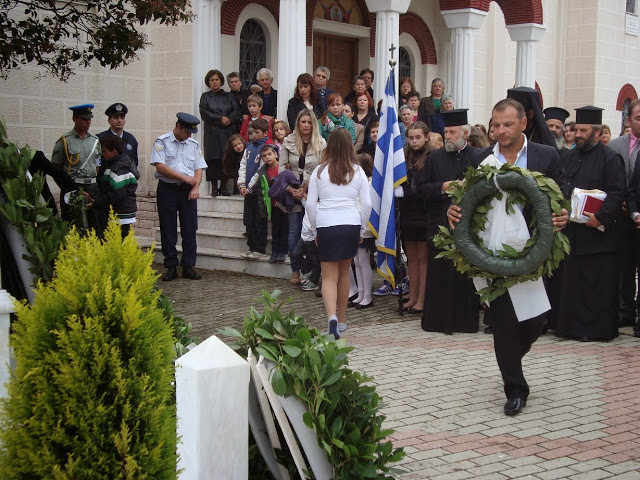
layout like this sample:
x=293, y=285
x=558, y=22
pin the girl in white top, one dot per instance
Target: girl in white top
x=336, y=221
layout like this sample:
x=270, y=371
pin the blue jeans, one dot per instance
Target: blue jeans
x=295, y=229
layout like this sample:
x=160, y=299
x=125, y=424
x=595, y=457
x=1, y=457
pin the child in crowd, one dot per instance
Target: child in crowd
x=306, y=255
x=118, y=181
x=335, y=117
x=436, y=140
x=413, y=99
x=259, y=185
x=280, y=131
x=362, y=260
x=254, y=105
x=231, y=159
x=249, y=165
x=369, y=150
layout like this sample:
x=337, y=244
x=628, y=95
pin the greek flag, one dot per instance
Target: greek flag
x=389, y=172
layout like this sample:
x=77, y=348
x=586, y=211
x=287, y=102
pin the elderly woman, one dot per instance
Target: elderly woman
x=359, y=86
x=301, y=151
x=269, y=95
x=304, y=97
x=436, y=121
x=431, y=105
x=405, y=86
x=220, y=113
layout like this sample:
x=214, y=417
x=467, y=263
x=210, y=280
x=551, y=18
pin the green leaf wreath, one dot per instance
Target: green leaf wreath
x=498, y=284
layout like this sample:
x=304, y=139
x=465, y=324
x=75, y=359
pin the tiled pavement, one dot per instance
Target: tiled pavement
x=444, y=397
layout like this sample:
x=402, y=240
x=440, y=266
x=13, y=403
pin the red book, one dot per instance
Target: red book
x=592, y=204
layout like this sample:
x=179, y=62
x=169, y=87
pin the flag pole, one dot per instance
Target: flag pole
x=397, y=274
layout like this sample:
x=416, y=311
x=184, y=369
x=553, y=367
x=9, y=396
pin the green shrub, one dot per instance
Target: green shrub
x=342, y=404
x=91, y=397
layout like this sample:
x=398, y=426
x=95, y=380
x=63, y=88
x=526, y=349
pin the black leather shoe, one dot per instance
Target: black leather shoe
x=190, y=273
x=273, y=258
x=360, y=306
x=352, y=297
x=514, y=406
x=488, y=331
x=636, y=333
x=352, y=304
x=411, y=310
x=170, y=274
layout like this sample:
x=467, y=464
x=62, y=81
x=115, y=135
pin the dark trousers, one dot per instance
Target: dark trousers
x=256, y=223
x=512, y=340
x=628, y=261
x=279, y=231
x=173, y=203
x=312, y=263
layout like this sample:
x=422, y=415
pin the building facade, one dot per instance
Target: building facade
x=575, y=52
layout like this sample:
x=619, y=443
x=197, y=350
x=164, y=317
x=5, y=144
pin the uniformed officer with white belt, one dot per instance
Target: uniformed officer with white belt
x=179, y=164
x=78, y=154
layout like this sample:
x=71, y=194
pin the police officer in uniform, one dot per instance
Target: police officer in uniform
x=179, y=164
x=78, y=153
x=116, y=117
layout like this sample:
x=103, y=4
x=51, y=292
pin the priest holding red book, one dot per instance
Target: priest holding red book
x=585, y=287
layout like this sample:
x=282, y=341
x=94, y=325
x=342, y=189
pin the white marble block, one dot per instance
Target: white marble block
x=6, y=308
x=212, y=391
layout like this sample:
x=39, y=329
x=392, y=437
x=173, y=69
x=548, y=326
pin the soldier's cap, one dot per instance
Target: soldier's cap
x=555, y=113
x=82, y=111
x=589, y=115
x=116, y=109
x=455, y=118
x=189, y=122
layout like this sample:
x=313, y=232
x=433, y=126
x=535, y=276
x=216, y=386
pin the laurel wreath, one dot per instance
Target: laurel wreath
x=526, y=264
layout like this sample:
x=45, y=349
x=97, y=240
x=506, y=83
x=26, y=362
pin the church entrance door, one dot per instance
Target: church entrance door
x=340, y=55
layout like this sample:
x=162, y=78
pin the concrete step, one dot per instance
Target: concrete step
x=232, y=204
x=218, y=239
x=221, y=221
x=216, y=259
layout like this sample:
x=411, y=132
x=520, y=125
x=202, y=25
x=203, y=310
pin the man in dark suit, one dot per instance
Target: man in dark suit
x=512, y=339
x=629, y=237
x=116, y=114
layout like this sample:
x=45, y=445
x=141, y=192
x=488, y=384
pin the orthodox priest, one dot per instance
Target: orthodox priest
x=451, y=302
x=555, y=118
x=536, y=130
x=586, y=287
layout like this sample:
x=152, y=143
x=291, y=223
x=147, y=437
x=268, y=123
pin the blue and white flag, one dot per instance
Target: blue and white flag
x=389, y=172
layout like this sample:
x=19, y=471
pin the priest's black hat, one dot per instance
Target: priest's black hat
x=555, y=113
x=455, y=118
x=525, y=95
x=589, y=115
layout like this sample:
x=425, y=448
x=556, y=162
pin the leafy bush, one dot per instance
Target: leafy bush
x=342, y=405
x=181, y=329
x=91, y=396
x=43, y=232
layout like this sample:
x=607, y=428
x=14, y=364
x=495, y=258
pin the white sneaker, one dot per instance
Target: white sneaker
x=248, y=254
x=342, y=327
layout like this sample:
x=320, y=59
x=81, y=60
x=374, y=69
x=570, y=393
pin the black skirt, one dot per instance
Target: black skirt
x=339, y=242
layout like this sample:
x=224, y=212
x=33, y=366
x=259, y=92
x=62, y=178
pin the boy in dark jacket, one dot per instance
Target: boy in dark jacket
x=268, y=207
x=118, y=181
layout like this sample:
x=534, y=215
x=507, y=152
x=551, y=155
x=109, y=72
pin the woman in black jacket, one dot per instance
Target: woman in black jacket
x=413, y=216
x=304, y=97
x=220, y=112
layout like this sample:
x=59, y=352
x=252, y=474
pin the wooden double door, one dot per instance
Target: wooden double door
x=340, y=55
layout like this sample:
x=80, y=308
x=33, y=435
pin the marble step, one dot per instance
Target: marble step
x=217, y=259
x=218, y=239
x=232, y=204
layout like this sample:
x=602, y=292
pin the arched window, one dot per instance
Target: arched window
x=625, y=109
x=253, y=48
x=404, y=63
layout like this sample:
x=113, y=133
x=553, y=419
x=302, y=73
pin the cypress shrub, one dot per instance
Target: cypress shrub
x=91, y=397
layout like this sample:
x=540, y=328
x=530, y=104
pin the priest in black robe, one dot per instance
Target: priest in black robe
x=586, y=285
x=451, y=303
x=536, y=130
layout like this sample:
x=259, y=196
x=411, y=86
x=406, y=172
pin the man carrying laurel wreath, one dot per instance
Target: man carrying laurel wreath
x=513, y=339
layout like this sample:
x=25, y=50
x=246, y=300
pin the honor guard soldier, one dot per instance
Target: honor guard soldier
x=78, y=153
x=116, y=117
x=179, y=164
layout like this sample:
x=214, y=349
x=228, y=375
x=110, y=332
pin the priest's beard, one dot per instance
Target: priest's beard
x=588, y=143
x=559, y=140
x=451, y=146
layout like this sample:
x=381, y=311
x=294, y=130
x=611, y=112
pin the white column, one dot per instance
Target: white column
x=292, y=50
x=387, y=34
x=464, y=22
x=206, y=45
x=212, y=399
x=6, y=309
x=526, y=35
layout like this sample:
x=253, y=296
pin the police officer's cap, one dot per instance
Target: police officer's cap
x=589, y=115
x=83, y=111
x=189, y=122
x=116, y=109
x=555, y=113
